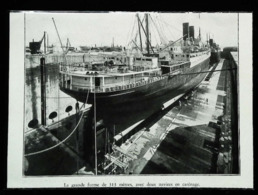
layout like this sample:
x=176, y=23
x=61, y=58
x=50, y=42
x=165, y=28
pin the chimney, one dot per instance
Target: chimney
x=211, y=42
x=191, y=32
x=185, y=30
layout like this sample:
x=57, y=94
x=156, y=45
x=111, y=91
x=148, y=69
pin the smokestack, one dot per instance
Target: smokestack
x=185, y=30
x=191, y=31
x=45, y=42
x=211, y=42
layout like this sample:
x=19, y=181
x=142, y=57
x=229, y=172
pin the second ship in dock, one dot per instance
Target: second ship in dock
x=125, y=77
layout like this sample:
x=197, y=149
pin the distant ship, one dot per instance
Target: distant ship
x=34, y=46
x=117, y=79
x=215, y=52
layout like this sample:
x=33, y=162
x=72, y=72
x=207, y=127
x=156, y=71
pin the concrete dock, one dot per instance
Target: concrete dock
x=56, y=149
x=190, y=138
x=196, y=135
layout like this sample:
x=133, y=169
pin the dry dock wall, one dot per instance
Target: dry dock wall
x=32, y=61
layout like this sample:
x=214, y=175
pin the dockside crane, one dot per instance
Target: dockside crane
x=64, y=53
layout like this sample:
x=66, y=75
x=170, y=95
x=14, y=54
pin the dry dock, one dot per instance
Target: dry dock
x=196, y=135
x=56, y=149
x=192, y=137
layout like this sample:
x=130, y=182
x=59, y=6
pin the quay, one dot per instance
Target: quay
x=32, y=61
x=199, y=135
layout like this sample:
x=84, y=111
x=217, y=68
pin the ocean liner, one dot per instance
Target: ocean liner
x=120, y=78
x=215, y=51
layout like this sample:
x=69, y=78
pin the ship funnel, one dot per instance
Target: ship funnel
x=185, y=30
x=211, y=42
x=191, y=32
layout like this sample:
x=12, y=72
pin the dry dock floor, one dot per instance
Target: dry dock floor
x=182, y=141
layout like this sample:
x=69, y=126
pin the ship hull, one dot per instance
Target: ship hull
x=174, y=85
x=215, y=57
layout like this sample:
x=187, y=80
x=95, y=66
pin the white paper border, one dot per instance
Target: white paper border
x=15, y=177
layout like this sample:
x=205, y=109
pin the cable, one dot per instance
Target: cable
x=169, y=24
x=154, y=34
x=205, y=72
x=155, y=26
x=48, y=97
x=50, y=148
x=130, y=34
x=165, y=40
x=170, y=32
x=95, y=131
x=162, y=30
x=127, y=37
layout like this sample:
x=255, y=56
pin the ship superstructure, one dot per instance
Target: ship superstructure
x=117, y=78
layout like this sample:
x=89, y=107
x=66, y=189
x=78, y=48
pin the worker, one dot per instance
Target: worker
x=180, y=105
x=77, y=106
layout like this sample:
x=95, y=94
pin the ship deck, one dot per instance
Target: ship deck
x=111, y=74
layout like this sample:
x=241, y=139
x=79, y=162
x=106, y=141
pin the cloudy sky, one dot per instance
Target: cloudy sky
x=100, y=28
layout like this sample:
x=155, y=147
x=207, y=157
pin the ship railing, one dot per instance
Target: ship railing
x=101, y=89
x=79, y=88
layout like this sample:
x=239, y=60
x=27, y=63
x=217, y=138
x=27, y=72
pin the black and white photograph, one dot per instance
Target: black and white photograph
x=120, y=99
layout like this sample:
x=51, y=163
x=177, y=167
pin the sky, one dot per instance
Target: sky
x=100, y=28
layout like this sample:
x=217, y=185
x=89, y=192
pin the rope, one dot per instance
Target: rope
x=127, y=37
x=154, y=34
x=161, y=19
x=160, y=35
x=168, y=28
x=50, y=148
x=133, y=31
x=48, y=97
x=204, y=72
x=95, y=132
x=162, y=30
x=174, y=27
x=131, y=34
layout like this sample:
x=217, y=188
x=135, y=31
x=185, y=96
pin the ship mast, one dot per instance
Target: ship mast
x=147, y=34
x=139, y=31
x=148, y=44
x=200, y=37
x=58, y=35
x=45, y=43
